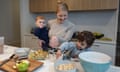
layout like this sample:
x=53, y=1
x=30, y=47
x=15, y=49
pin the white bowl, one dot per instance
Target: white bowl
x=22, y=52
x=92, y=61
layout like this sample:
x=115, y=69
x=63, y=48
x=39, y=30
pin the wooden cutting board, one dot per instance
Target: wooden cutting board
x=34, y=64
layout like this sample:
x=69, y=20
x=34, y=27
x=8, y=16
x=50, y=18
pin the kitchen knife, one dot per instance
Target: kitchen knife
x=7, y=60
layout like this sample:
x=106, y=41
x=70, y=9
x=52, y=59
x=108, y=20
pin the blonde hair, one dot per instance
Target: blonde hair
x=62, y=6
x=39, y=17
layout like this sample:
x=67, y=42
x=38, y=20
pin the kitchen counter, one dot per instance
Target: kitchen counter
x=101, y=41
x=105, y=42
x=48, y=65
x=8, y=51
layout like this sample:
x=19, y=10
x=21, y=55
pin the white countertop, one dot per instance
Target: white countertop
x=8, y=51
x=48, y=65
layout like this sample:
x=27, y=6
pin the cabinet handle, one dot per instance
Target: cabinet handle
x=34, y=38
x=96, y=45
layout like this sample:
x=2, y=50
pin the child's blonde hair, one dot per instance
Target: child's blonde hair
x=39, y=17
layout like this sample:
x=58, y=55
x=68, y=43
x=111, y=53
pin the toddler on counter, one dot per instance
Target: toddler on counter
x=84, y=41
x=41, y=31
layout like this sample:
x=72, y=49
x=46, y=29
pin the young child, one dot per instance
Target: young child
x=85, y=41
x=41, y=32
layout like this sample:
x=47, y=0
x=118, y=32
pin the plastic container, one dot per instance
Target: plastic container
x=22, y=52
x=64, y=62
x=1, y=45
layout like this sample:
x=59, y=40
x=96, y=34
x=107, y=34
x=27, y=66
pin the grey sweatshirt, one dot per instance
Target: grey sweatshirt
x=63, y=31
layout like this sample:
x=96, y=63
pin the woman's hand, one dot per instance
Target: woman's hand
x=58, y=54
x=54, y=42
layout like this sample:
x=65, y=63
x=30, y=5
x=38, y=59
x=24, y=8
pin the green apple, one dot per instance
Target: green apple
x=26, y=62
x=22, y=66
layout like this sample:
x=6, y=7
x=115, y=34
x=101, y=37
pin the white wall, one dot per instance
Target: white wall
x=100, y=21
x=26, y=19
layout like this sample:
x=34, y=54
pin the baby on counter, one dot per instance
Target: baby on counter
x=41, y=31
x=84, y=41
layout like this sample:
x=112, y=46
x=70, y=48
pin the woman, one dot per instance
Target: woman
x=61, y=29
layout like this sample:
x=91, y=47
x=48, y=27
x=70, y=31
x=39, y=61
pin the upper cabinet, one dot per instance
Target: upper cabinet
x=42, y=5
x=74, y=5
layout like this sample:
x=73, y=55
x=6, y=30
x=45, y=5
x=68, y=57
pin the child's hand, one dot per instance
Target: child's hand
x=41, y=42
x=75, y=56
x=58, y=54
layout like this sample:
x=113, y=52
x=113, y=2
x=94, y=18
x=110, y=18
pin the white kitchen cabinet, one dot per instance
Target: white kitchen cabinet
x=31, y=41
x=107, y=48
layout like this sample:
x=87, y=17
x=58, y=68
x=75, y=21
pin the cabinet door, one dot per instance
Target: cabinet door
x=75, y=5
x=27, y=41
x=31, y=41
x=35, y=43
x=52, y=5
x=42, y=5
x=38, y=5
x=105, y=48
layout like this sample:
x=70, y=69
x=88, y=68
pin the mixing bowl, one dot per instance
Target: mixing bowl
x=92, y=61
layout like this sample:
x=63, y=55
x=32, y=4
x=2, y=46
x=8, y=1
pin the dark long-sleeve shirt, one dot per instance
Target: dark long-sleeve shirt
x=42, y=34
